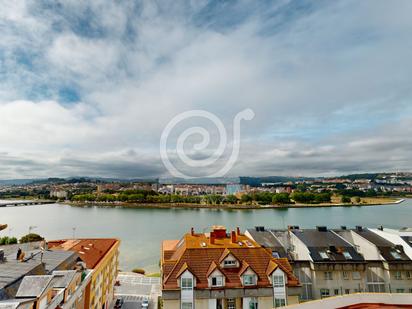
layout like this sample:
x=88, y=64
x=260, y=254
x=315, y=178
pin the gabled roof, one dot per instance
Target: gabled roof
x=272, y=266
x=203, y=259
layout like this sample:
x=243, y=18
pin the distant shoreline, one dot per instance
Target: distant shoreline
x=221, y=206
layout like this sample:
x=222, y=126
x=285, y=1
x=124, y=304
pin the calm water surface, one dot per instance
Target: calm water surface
x=141, y=230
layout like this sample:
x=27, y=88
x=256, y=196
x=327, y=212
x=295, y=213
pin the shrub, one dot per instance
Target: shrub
x=139, y=271
x=31, y=237
x=345, y=199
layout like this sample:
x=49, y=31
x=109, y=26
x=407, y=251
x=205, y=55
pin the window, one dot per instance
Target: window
x=229, y=263
x=400, y=290
x=231, y=303
x=324, y=255
x=217, y=281
x=347, y=255
x=278, y=281
x=324, y=293
x=253, y=304
x=396, y=255
x=356, y=275
x=347, y=291
x=345, y=275
x=280, y=302
x=398, y=275
x=186, y=283
x=408, y=275
x=336, y=291
x=328, y=275
x=187, y=305
x=249, y=280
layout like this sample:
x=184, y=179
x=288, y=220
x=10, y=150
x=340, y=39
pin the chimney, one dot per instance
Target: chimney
x=238, y=231
x=212, y=238
x=192, y=231
x=233, y=237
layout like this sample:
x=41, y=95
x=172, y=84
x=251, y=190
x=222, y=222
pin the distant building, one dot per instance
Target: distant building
x=101, y=255
x=61, y=194
x=217, y=270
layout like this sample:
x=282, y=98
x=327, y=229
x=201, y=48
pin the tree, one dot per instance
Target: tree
x=345, y=199
x=246, y=198
x=281, y=198
x=31, y=237
x=357, y=199
x=231, y=199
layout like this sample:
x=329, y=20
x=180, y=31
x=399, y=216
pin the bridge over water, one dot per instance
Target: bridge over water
x=25, y=203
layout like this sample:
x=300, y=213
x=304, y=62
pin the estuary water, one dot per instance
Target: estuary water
x=142, y=230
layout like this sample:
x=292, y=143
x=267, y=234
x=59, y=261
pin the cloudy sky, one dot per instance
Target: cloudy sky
x=87, y=87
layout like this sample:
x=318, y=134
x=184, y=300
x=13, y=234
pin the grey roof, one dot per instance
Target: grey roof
x=267, y=239
x=408, y=240
x=386, y=248
x=328, y=242
x=63, y=278
x=33, y=286
x=13, y=270
x=14, y=303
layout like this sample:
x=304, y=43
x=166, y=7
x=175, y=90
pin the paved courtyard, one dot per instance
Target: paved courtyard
x=135, y=288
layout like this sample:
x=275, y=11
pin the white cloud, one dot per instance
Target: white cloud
x=329, y=84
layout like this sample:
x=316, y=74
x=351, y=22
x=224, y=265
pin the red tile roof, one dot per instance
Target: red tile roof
x=200, y=254
x=90, y=250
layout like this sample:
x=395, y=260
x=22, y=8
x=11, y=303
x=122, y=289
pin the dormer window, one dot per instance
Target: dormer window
x=186, y=283
x=249, y=279
x=217, y=281
x=229, y=263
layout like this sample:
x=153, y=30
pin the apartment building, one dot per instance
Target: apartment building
x=389, y=267
x=220, y=270
x=100, y=255
x=342, y=261
x=325, y=263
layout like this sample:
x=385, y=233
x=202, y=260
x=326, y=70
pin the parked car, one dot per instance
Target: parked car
x=145, y=304
x=119, y=303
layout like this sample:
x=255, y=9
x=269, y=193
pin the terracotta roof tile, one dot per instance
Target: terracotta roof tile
x=200, y=259
x=91, y=251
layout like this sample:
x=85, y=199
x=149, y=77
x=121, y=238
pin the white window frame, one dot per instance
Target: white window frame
x=183, y=286
x=219, y=281
x=280, y=302
x=229, y=263
x=182, y=306
x=253, y=277
x=278, y=281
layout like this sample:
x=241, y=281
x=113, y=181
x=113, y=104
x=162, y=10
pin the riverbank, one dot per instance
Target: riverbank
x=364, y=202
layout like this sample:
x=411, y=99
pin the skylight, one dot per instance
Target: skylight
x=347, y=255
x=275, y=254
x=324, y=255
x=396, y=255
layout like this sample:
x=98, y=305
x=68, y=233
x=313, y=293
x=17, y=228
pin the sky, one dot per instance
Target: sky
x=88, y=87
